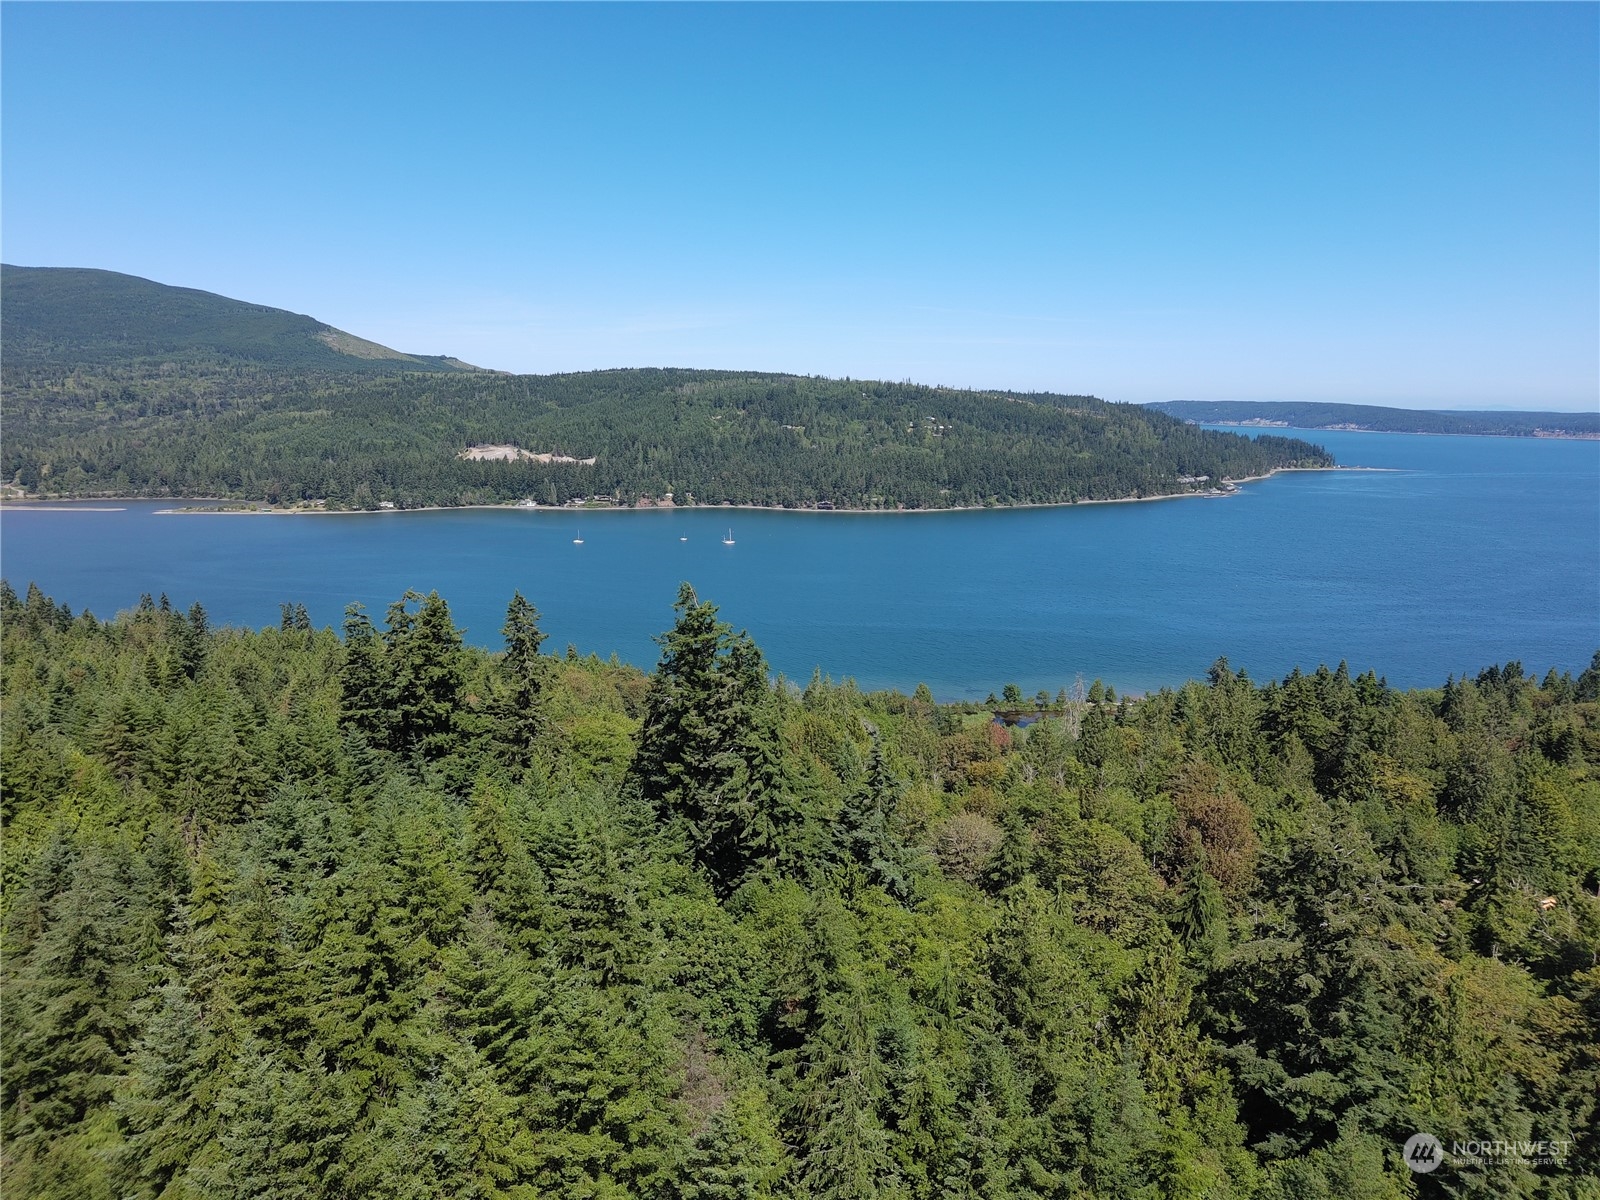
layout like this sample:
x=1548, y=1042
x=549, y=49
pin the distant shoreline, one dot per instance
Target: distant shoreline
x=1530, y=437
x=40, y=503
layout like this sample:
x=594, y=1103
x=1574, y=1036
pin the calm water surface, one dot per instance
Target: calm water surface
x=1468, y=551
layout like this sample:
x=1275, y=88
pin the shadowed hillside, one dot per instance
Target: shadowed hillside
x=70, y=316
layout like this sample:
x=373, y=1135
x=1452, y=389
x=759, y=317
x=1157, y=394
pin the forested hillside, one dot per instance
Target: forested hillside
x=289, y=914
x=1306, y=415
x=118, y=386
x=708, y=437
x=76, y=317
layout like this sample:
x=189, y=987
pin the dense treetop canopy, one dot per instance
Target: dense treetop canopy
x=291, y=914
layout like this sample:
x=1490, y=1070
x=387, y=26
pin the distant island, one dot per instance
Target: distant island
x=1375, y=419
x=117, y=386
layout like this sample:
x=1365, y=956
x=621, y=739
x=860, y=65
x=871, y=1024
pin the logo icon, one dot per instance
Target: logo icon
x=1423, y=1152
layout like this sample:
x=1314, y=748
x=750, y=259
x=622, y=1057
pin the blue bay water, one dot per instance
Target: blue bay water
x=1462, y=553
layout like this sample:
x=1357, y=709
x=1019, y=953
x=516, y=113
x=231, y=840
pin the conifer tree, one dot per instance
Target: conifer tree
x=266, y=984
x=69, y=1019
x=739, y=1156
x=366, y=968
x=489, y=998
x=523, y=672
x=283, y=1130
x=364, y=680
x=169, y=1103
x=423, y=652
x=837, y=1111
x=1201, y=918
x=593, y=905
x=706, y=757
x=868, y=833
x=190, y=632
x=501, y=869
x=453, y=1132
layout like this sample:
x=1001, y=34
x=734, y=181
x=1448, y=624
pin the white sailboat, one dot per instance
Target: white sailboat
x=728, y=541
x=578, y=541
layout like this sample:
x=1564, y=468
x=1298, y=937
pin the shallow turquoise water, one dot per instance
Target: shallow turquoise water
x=1470, y=551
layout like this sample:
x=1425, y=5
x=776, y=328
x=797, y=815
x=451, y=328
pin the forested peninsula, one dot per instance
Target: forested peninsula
x=121, y=387
x=288, y=914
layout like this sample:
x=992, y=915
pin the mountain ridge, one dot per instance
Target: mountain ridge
x=58, y=315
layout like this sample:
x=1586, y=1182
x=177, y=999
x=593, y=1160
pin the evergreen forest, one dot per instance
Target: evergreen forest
x=299, y=913
x=706, y=437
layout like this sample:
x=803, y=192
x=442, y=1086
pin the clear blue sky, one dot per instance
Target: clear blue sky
x=1376, y=203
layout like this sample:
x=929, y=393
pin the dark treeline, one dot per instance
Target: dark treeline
x=252, y=432
x=294, y=914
